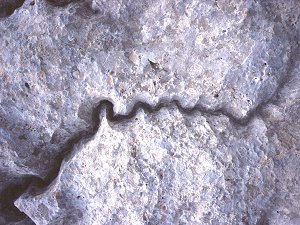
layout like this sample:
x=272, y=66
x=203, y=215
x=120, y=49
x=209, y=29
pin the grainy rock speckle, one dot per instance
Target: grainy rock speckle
x=234, y=160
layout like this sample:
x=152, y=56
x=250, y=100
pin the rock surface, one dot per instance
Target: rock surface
x=228, y=153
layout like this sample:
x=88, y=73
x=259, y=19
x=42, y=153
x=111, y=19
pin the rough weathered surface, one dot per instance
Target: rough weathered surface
x=233, y=161
x=166, y=168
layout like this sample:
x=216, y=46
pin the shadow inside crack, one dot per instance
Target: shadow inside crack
x=60, y=2
x=8, y=211
x=7, y=7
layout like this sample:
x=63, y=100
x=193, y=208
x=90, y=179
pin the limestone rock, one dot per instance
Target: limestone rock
x=162, y=169
x=234, y=159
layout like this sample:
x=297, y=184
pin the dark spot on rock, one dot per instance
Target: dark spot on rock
x=145, y=217
x=278, y=19
x=263, y=220
x=22, y=137
x=216, y=95
x=160, y=175
x=27, y=85
x=32, y=3
x=60, y=2
x=36, y=151
x=154, y=65
x=133, y=154
x=245, y=220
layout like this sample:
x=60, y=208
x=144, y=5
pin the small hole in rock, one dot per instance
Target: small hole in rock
x=27, y=85
x=22, y=137
x=154, y=64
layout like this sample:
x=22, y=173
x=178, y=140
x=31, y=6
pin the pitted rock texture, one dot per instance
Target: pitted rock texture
x=237, y=58
x=162, y=169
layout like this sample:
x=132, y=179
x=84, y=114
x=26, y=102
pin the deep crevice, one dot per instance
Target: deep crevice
x=7, y=7
x=9, y=194
x=60, y=3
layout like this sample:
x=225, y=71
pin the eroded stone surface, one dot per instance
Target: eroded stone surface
x=56, y=63
x=164, y=168
x=170, y=168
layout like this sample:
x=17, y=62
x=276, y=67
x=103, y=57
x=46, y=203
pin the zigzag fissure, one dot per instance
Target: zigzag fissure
x=107, y=107
x=35, y=185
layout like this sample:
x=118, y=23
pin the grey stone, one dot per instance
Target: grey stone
x=227, y=153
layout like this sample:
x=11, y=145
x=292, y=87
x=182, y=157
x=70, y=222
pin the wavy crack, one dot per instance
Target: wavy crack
x=35, y=185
